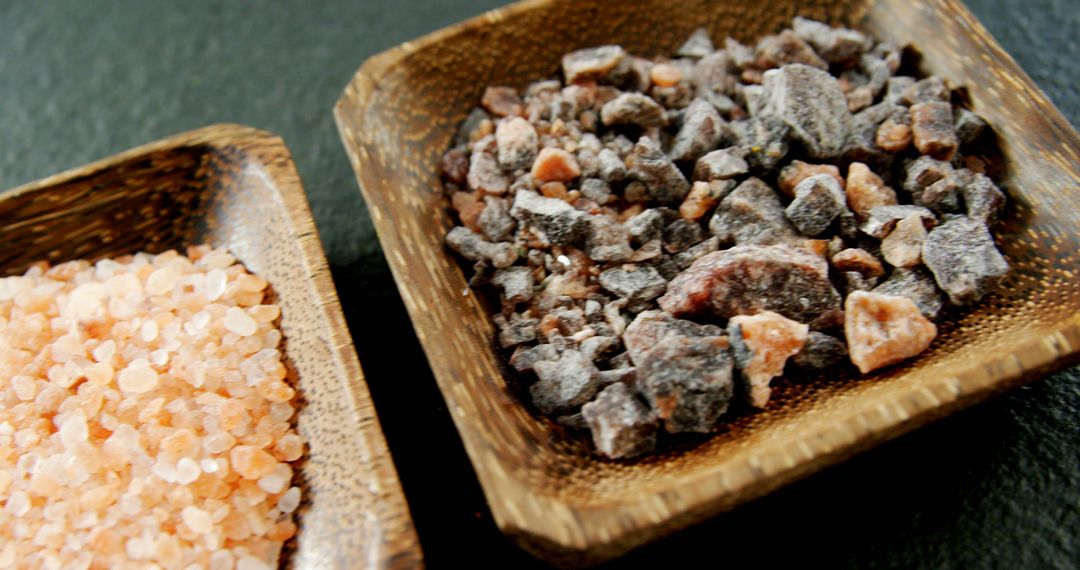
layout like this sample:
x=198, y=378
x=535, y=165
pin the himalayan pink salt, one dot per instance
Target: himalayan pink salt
x=137, y=378
x=884, y=329
x=761, y=345
x=251, y=462
x=239, y=322
x=289, y=500
x=197, y=519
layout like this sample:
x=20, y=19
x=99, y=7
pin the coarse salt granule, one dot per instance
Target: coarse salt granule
x=146, y=417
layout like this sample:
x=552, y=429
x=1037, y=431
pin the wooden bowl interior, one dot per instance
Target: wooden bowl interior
x=398, y=117
x=236, y=187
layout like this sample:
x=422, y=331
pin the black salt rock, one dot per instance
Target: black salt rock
x=636, y=283
x=633, y=109
x=557, y=222
x=818, y=200
x=963, y=258
x=751, y=214
x=811, y=102
x=820, y=352
x=515, y=283
x=917, y=284
x=621, y=425
x=565, y=383
x=721, y=164
x=663, y=180
x=702, y=130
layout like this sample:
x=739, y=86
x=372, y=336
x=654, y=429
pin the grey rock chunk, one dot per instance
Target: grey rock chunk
x=697, y=45
x=525, y=357
x=715, y=74
x=515, y=330
x=982, y=198
x=811, y=102
x=515, y=283
x=485, y=174
x=682, y=234
x=963, y=258
x=636, y=283
x=895, y=87
x=649, y=224
x=917, y=284
x=621, y=425
x=751, y=214
x=763, y=141
x=820, y=352
x=517, y=141
x=932, y=88
x=702, y=130
x=922, y=172
x=495, y=220
x=663, y=180
x=883, y=219
x=633, y=109
x=557, y=222
x=721, y=164
x=564, y=384
x=609, y=166
x=472, y=246
x=607, y=240
x=596, y=190
x=834, y=45
x=591, y=63
x=818, y=200
x=686, y=258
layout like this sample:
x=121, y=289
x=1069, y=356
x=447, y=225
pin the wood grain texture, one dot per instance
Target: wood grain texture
x=236, y=187
x=547, y=491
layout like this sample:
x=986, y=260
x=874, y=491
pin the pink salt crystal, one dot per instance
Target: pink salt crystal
x=761, y=345
x=239, y=322
x=197, y=519
x=149, y=331
x=137, y=378
x=251, y=563
x=866, y=191
x=161, y=281
x=25, y=387
x=555, y=165
x=222, y=560
x=105, y=351
x=289, y=500
x=903, y=246
x=187, y=471
x=884, y=329
x=265, y=313
x=97, y=498
x=100, y=374
x=18, y=504
x=289, y=447
x=251, y=462
x=216, y=283
x=74, y=430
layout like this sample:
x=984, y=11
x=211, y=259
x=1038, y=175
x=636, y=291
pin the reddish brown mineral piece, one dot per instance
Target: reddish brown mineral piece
x=621, y=425
x=555, y=165
x=932, y=129
x=884, y=329
x=866, y=191
x=761, y=345
x=502, y=101
x=795, y=172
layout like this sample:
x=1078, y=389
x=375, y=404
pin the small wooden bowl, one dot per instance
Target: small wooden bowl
x=397, y=116
x=236, y=187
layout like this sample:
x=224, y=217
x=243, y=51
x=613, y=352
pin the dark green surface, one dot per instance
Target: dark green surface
x=995, y=486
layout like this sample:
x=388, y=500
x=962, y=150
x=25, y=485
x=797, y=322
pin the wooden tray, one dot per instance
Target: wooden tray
x=236, y=187
x=397, y=116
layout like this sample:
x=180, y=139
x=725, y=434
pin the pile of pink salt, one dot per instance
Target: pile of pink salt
x=144, y=416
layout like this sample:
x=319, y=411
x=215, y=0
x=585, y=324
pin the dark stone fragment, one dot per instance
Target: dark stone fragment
x=932, y=129
x=877, y=73
x=633, y=109
x=854, y=281
x=495, y=220
x=649, y=224
x=609, y=166
x=687, y=382
x=942, y=196
x=668, y=269
x=692, y=254
x=472, y=246
x=883, y=219
x=715, y=74
x=820, y=352
x=751, y=214
x=834, y=45
x=682, y=234
x=636, y=283
x=649, y=164
x=763, y=140
x=556, y=222
x=455, y=166
x=917, y=284
x=721, y=164
x=982, y=198
x=621, y=425
x=787, y=48
x=651, y=327
x=702, y=130
x=525, y=357
x=607, y=240
x=932, y=88
x=969, y=126
x=517, y=330
x=811, y=102
x=564, y=384
x=862, y=143
x=747, y=279
x=515, y=283
x=818, y=200
x=963, y=258
x=697, y=45
x=924, y=171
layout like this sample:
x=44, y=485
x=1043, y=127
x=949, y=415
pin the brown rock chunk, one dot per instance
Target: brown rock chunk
x=812, y=104
x=485, y=174
x=963, y=258
x=883, y=219
x=516, y=141
x=797, y=171
x=751, y=214
x=555, y=165
x=564, y=384
x=621, y=425
x=924, y=171
x=786, y=48
x=903, y=246
x=932, y=129
x=472, y=246
x=884, y=329
x=648, y=163
x=894, y=135
x=555, y=221
x=761, y=345
x=721, y=164
x=703, y=197
x=969, y=126
x=917, y=284
x=514, y=283
x=821, y=351
x=502, y=101
x=702, y=130
x=665, y=75
x=593, y=63
x=748, y=279
x=469, y=208
x=866, y=191
x=607, y=240
x=818, y=200
x=859, y=260
x=834, y=45
x=455, y=166
x=633, y=109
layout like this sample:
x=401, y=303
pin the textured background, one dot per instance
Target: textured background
x=995, y=486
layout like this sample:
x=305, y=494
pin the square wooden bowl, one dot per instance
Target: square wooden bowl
x=236, y=187
x=397, y=116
